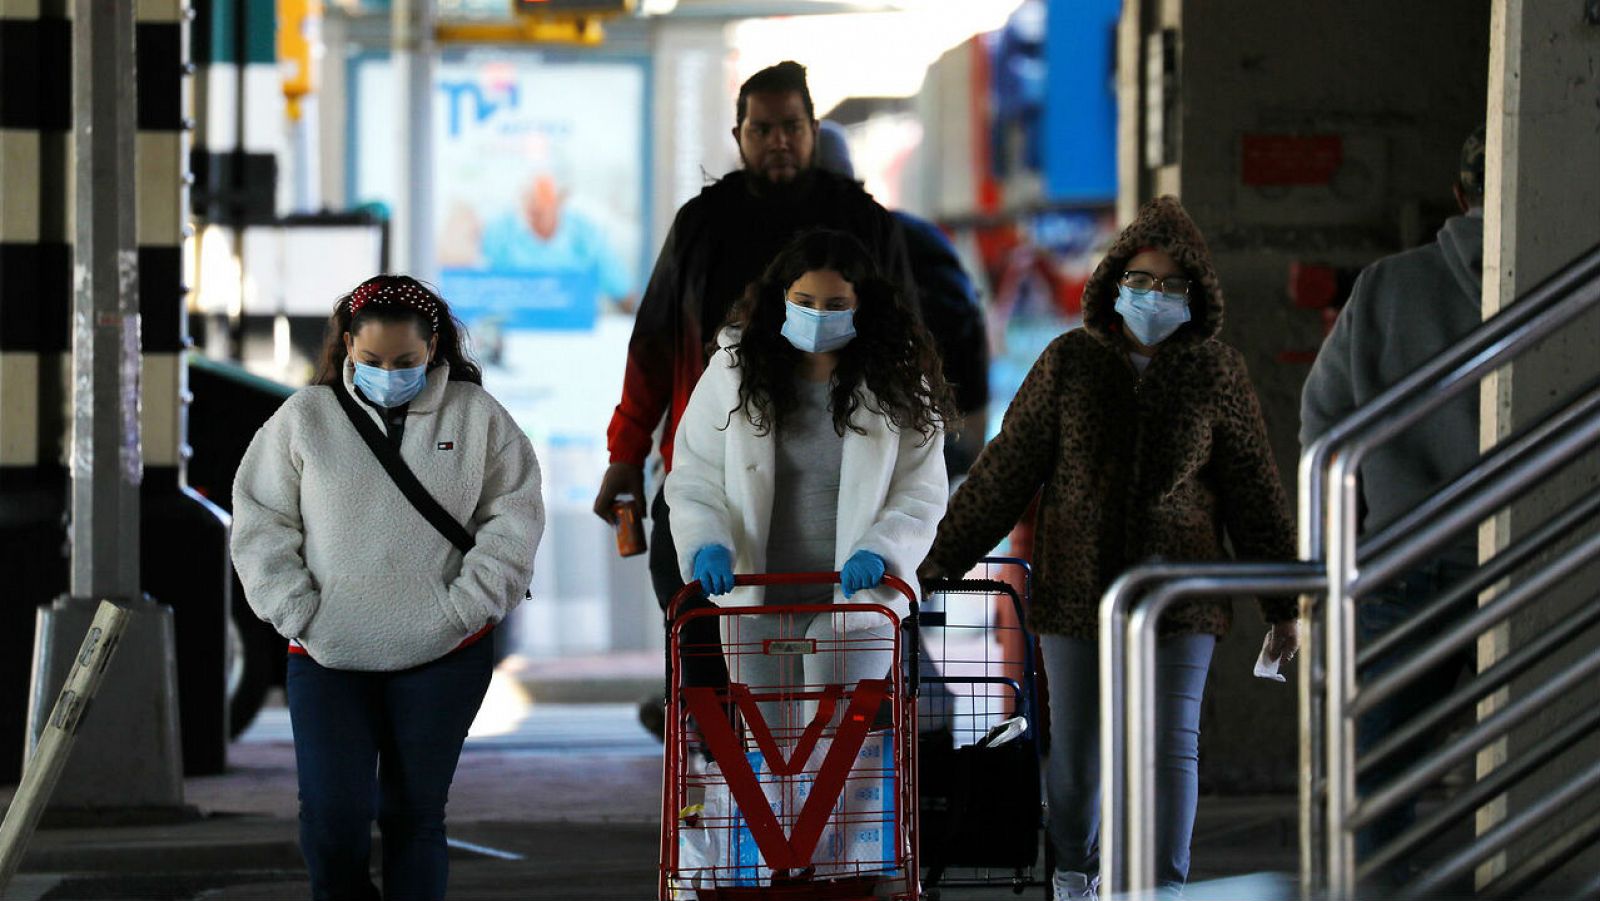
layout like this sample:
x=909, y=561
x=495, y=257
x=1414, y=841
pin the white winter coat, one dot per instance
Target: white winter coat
x=892, y=490
x=334, y=556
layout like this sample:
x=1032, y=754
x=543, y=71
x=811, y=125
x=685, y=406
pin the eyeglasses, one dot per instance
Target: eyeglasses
x=1139, y=282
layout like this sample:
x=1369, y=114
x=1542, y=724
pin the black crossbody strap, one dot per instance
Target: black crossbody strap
x=403, y=477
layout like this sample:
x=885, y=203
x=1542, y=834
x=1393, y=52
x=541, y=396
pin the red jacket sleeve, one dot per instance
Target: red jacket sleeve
x=647, y=383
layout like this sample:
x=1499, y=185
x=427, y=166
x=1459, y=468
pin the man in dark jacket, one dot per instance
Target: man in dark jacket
x=1404, y=310
x=719, y=242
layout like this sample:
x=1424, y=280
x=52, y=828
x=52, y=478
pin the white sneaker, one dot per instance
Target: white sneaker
x=1070, y=886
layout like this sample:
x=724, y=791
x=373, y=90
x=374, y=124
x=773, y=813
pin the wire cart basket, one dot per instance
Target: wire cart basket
x=795, y=779
x=980, y=746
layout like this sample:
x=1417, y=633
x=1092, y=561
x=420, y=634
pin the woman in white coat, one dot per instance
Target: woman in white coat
x=387, y=618
x=813, y=443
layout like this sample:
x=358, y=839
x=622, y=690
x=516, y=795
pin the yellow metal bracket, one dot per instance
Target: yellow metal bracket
x=583, y=32
x=297, y=39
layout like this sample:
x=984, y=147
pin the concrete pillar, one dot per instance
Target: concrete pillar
x=692, y=115
x=1266, y=68
x=128, y=754
x=179, y=532
x=1133, y=177
x=1543, y=209
x=411, y=248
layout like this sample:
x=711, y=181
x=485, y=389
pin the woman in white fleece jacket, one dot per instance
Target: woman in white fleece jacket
x=386, y=617
x=813, y=443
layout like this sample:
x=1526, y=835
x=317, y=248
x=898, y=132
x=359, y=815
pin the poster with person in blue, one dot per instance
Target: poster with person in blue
x=528, y=240
x=541, y=238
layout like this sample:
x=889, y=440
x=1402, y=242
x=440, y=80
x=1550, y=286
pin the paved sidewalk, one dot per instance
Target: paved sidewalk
x=550, y=802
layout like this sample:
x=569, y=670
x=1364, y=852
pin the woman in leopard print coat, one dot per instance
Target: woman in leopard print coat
x=1136, y=450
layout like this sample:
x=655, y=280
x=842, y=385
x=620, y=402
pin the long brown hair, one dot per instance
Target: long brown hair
x=891, y=355
x=453, y=339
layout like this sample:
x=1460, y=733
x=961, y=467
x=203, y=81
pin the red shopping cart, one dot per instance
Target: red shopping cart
x=796, y=779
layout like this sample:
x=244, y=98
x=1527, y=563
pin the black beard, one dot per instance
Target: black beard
x=777, y=191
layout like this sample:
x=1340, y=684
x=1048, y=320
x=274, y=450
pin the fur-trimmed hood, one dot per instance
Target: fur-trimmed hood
x=1162, y=223
x=1129, y=467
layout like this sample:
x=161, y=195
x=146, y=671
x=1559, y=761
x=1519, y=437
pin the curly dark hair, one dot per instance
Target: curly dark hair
x=452, y=334
x=892, y=354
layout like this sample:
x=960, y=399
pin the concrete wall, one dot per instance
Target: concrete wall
x=1543, y=210
x=1400, y=85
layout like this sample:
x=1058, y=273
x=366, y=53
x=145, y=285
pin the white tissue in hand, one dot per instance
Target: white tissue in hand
x=1267, y=667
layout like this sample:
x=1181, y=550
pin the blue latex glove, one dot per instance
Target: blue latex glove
x=713, y=568
x=864, y=569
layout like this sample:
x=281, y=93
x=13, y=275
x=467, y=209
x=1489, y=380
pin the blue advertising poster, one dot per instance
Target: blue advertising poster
x=523, y=298
x=539, y=189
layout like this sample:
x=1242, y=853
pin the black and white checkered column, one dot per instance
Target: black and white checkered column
x=35, y=306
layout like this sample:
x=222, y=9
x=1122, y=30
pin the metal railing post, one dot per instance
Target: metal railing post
x=1114, y=607
x=1313, y=759
x=1339, y=659
x=1136, y=669
x=1313, y=674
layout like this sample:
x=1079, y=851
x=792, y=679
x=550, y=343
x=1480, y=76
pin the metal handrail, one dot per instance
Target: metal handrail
x=1500, y=837
x=1500, y=566
x=1483, y=791
x=1516, y=882
x=1215, y=580
x=1114, y=609
x=1128, y=632
x=1428, y=770
x=1526, y=465
x=1330, y=507
x=1461, y=488
x=1128, y=619
x=1541, y=312
x=1335, y=565
x=1467, y=631
x=1345, y=585
x=1486, y=682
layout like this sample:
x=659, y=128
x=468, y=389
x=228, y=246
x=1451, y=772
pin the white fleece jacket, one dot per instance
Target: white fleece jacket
x=892, y=490
x=334, y=556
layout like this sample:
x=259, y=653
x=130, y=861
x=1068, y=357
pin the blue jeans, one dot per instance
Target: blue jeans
x=381, y=745
x=1376, y=615
x=1072, y=779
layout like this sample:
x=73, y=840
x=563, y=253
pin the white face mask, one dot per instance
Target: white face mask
x=390, y=387
x=817, y=331
x=1152, y=317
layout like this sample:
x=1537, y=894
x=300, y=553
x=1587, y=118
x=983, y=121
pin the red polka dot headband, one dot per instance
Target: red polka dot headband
x=395, y=294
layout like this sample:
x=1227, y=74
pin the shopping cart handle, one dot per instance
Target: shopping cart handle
x=692, y=590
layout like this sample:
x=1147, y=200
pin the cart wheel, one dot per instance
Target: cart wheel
x=1019, y=882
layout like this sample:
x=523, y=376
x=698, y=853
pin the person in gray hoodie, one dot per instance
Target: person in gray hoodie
x=1403, y=311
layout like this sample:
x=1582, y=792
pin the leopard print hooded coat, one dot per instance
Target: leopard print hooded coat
x=1130, y=467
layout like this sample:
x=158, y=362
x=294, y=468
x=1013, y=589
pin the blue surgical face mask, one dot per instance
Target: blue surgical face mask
x=390, y=387
x=1152, y=317
x=817, y=331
